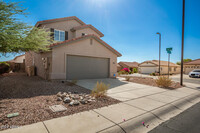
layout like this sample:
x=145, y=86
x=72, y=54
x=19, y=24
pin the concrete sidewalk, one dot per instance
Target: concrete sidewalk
x=140, y=103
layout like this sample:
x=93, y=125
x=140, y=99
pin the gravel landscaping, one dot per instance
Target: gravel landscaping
x=152, y=82
x=32, y=96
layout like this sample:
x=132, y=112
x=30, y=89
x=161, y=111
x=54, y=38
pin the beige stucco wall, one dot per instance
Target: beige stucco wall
x=41, y=71
x=19, y=59
x=147, y=68
x=81, y=48
x=78, y=33
x=189, y=68
x=35, y=59
x=63, y=25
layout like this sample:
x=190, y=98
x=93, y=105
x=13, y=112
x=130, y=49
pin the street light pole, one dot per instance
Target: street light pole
x=168, y=63
x=182, y=47
x=159, y=49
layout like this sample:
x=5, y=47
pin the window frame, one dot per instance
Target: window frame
x=59, y=35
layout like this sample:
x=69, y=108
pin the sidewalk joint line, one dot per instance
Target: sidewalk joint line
x=110, y=121
x=46, y=127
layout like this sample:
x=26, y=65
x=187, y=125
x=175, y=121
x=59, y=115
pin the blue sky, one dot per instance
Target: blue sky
x=129, y=26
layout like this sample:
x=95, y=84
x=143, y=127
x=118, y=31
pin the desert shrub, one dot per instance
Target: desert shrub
x=100, y=90
x=4, y=67
x=73, y=82
x=127, y=78
x=164, y=82
x=122, y=72
x=152, y=74
x=130, y=72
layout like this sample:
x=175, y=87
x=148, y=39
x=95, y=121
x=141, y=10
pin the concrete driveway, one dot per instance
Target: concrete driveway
x=125, y=91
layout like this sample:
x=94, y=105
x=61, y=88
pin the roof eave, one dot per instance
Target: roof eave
x=90, y=36
x=59, y=19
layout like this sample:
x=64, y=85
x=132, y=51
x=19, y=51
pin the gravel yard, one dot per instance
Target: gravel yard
x=152, y=82
x=32, y=96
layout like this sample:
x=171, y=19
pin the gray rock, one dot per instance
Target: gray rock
x=81, y=98
x=71, y=103
x=89, y=100
x=67, y=100
x=65, y=93
x=86, y=95
x=76, y=102
x=76, y=97
x=63, y=96
x=83, y=101
x=59, y=94
x=59, y=99
x=72, y=96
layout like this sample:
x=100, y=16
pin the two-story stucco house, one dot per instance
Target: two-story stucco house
x=79, y=52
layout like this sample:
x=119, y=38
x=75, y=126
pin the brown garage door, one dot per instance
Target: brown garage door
x=82, y=67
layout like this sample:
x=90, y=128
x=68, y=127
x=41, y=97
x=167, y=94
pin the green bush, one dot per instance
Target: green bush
x=100, y=90
x=135, y=70
x=164, y=82
x=153, y=74
x=4, y=67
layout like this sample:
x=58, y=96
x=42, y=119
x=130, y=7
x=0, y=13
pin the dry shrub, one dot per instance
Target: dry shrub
x=164, y=82
x=100, y=90
x=127, y=78
x=73, y=82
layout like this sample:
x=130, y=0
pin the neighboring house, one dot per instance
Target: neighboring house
x=129, y=65
x=17, y=64
x=189, y=66
x=152, y=66
x=119, y=67
x=78, y=54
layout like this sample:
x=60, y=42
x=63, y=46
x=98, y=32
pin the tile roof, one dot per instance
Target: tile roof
x=85, y=37
x=193, y=62
x=128, y=64
x=118, y=65
x=162, y=63
x=87, y=26
x=59, y=19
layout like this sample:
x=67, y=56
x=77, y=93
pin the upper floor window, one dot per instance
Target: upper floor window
x=59, y=35
x=84, y=34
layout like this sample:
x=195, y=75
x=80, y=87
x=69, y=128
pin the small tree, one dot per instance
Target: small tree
x=17, y=36
x=184, y=60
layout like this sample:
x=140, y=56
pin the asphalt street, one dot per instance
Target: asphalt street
x=186, y=79
x=186, y=122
